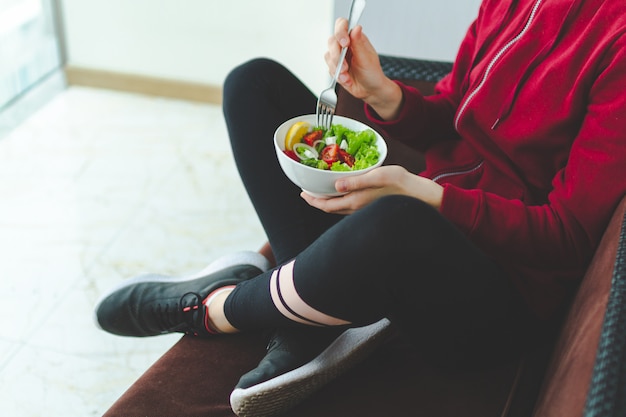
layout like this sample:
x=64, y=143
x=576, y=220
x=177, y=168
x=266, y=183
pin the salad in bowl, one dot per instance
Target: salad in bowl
x=314, y=158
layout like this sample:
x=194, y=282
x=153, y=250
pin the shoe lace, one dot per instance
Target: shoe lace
x=191, y=305
x=187, y=316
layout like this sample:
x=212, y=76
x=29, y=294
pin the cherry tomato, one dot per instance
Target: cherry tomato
x=292, y=155
x=313, y=136
x=346, y=158
x=330, y=154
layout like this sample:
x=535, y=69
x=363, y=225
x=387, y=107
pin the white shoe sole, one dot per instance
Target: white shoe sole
x=285, y=391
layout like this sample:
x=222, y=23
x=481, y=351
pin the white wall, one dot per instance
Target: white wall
x=197, y=40
x=428, y=29
x=201, y=40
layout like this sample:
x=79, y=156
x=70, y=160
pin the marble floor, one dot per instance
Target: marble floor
x=97, y=186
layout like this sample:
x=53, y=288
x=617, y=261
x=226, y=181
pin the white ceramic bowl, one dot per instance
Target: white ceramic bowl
x=318, y=182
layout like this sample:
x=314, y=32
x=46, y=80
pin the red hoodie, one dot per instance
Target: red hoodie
x=527, y=135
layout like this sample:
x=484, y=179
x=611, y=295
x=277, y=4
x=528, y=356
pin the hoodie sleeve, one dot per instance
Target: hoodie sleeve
x=424, y=120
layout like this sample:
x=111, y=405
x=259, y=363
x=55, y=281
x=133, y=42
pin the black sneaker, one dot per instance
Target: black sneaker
x=299, y=362
x=150, y=305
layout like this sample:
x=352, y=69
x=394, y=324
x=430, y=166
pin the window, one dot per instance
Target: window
x=29, y=46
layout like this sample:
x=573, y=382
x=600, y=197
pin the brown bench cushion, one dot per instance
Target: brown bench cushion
x=195, y=377
x=568, y=379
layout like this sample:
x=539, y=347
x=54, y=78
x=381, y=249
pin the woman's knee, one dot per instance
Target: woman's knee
x=245, y=76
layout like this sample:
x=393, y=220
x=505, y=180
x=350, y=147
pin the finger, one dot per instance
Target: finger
x=332, y=55
x=359, y=42
x=358, y=182
x=333, y=45
x=313, y=201
x=344, y=75
x=330, y=61
x=333, y=205
x=341, y=31
x=350, y=202
x=364, y=52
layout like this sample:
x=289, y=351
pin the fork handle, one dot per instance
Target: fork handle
x=344, y=51
x=356, y=10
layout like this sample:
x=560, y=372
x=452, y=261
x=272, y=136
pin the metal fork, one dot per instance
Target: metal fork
x=327, y=101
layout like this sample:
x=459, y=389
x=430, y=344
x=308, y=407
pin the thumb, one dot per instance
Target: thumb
x=359, y=42
x=345, y=185
x=353, y=183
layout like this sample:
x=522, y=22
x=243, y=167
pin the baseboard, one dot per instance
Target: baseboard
x=153, y=86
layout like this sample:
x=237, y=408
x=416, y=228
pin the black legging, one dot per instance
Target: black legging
x=396, y=257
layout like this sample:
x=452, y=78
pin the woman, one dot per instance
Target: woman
x=525, y=161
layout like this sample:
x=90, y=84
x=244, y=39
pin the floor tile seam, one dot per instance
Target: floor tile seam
x=86, y=355
x=7, y=360
x=57, y=303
